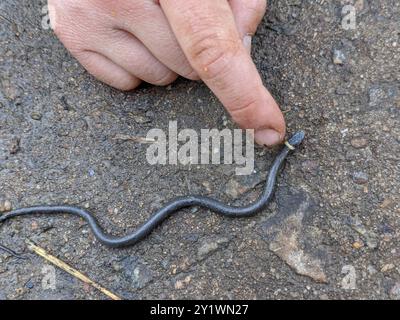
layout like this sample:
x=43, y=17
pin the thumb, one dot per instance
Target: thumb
x=208, y=35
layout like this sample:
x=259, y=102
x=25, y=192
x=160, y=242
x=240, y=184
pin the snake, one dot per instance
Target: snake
x=12, y=252
x=171, y=207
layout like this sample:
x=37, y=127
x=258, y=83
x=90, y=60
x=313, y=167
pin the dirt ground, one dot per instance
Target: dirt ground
x=333, y=228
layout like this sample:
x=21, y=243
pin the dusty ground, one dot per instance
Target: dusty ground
x=333, y=230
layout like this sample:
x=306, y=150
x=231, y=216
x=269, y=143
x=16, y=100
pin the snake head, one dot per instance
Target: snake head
x=297, y=138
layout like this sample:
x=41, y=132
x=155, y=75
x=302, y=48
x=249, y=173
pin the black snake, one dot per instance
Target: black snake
x=179, y=203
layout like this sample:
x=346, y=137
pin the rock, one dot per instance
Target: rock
x=29, y=284
x=150, y=114
x=141, y=119
x=350, y=278
x=395, y=291
x=371, y=238
x=359, y=4
x=180, y=284
x=360, y=177
x=239, y=185
x=137, y=272
x=287, y=248
x=117, y=266
x=287, y=245
x=210, y=246
x=191, y=237
x=383, y=95
x=14, y=145
x=386, y=203
x=5, y=205
x=387, y=267
x=371, y=270
x=338, y=57
x=10, y=89
x=359, y=143
x=36, y=116
x=233, y=189
x=358, y=245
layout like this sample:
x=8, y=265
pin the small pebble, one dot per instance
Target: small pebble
x=359, y=143
x=338, y=57
x=141, y=119
x=360, y=177
x=387, y=267
x=5, y=205
x=36, y=116
x=357, y=245
x=14, y=146
x=180, y=284
x=386, y=203
x=371, y=270
x=29, y=284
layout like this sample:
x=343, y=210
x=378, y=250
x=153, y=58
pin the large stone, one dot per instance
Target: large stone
x=287, y=244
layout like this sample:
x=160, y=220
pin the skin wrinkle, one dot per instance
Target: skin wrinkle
x=211, y=61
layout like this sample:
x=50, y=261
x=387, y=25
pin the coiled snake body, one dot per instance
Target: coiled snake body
x=182, y=202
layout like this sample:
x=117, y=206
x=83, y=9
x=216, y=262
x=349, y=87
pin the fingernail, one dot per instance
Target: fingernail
x=267, y=137
x=247, y=40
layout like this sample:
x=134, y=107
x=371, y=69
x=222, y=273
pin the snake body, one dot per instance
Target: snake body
x=11, y=252
x=173, y=206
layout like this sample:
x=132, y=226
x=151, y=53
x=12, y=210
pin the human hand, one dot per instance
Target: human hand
x=125, y=42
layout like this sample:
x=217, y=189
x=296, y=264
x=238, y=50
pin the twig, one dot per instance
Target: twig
x=62, y=265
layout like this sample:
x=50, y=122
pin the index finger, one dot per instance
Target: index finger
x=208, y=35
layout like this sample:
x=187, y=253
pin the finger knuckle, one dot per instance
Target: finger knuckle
x=211, y=53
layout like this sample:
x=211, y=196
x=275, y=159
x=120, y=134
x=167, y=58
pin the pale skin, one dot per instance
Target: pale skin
x=125, y=42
